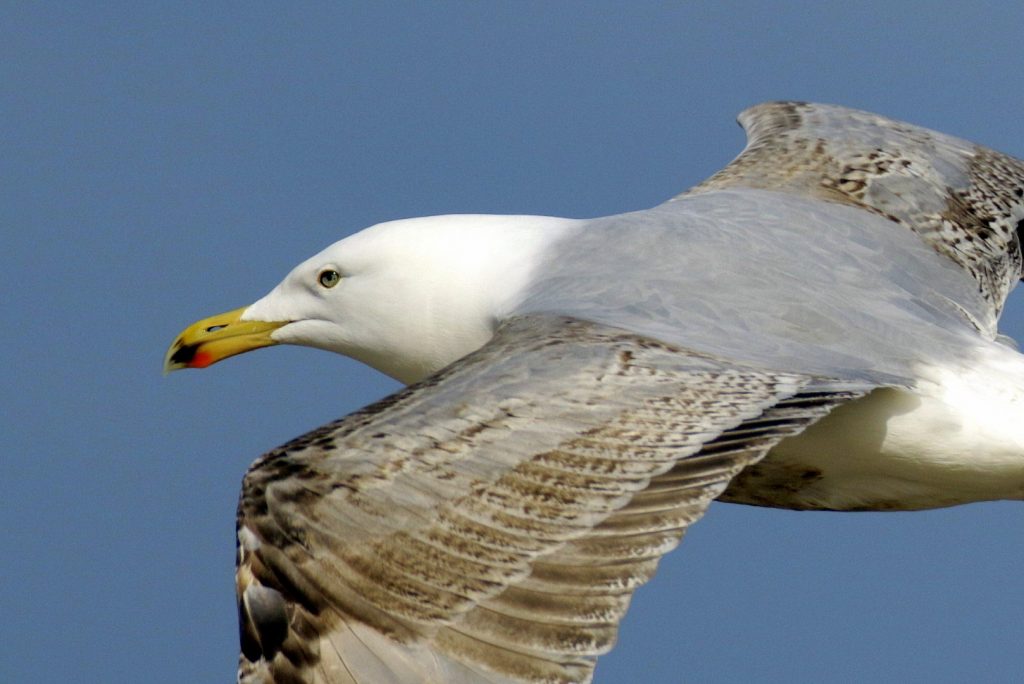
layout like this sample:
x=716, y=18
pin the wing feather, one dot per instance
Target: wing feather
x=963, y=199
x=491, y=523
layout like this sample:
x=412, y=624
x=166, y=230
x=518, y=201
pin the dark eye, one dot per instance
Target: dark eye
x=329, y=277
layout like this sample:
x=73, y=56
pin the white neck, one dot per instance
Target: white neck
x=472, y=270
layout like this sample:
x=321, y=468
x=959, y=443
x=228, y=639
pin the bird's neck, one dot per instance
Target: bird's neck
x=478, y=268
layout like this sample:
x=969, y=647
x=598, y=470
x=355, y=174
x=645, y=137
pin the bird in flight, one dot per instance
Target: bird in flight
x=813, y=327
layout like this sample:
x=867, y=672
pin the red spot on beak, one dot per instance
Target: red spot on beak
x=201, y=360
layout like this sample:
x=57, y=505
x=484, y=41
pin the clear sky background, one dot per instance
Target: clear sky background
x=160, y=162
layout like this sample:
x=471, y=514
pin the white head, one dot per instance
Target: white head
x=406, y=297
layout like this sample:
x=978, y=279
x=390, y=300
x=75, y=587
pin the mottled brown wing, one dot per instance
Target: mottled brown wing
x=965, y=200
x=491, y=523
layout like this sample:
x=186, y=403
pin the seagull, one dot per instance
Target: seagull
x=814, y=327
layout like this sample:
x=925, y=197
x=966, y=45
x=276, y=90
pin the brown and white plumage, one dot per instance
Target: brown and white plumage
x=499, y=535
x=813, y=327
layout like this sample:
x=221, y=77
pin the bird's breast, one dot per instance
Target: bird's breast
x=958, y=439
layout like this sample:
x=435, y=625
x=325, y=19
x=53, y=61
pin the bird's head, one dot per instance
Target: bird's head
x=405, y=297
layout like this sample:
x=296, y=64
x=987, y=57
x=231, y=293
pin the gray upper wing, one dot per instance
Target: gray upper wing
x=490, y=523
x=770, y=279
x=963, y=199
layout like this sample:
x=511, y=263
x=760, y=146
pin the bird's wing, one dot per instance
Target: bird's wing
x=965, y=200
x=490, y=523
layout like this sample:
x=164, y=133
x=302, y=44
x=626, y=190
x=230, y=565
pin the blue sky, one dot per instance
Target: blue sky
x=163, y=162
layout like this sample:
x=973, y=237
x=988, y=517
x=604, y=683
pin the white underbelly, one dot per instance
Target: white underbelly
x=959, y=439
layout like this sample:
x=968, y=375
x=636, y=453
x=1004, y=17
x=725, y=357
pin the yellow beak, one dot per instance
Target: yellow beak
x=208, y=341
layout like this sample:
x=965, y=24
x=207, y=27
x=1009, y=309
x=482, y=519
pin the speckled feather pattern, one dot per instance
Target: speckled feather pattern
x=491, y=523
x=965, y=200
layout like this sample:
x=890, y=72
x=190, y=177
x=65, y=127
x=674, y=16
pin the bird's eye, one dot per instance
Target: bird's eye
x=329, y=277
